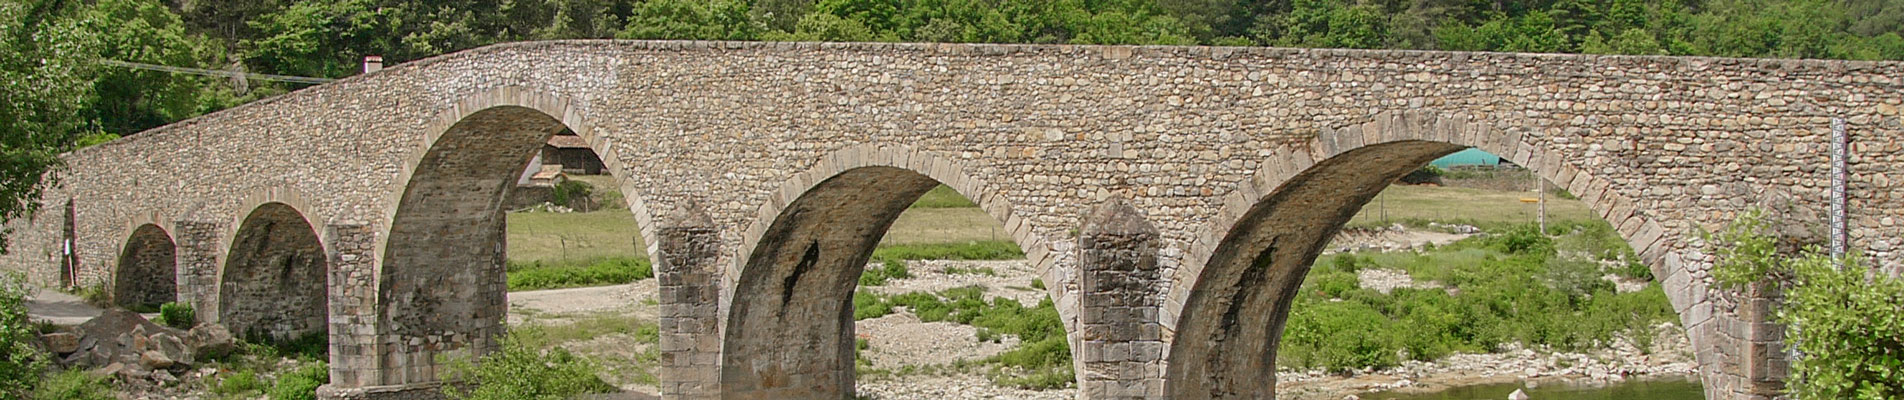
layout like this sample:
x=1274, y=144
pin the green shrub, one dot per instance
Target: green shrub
x=868, y=306
x=301, y=383
x=20, y=368
x=517, y=370
x=984, y=271
x=242, y=383
x=1844, y=321
x=177, y=315
x=74, y=384
x=572, y=193
x=977, y=250
x=598, y=272
x=888, y=270
x=1338, y=336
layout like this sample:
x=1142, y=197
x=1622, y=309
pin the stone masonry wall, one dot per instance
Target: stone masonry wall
x=1039, y=134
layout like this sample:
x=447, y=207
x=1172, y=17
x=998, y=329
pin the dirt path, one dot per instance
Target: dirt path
x=59, y=308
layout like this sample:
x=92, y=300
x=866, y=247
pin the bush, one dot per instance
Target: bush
x=20, y=368
x=888, y=270
x=242, y=383
x=600, y=272
x=572, y=193
x=74, y=385
x=177, y=315
x=302, y=383
x=1338, y=336
x=1845, y=321
x=519, y=371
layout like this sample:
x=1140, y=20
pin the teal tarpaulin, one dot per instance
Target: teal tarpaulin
x=1467, y=157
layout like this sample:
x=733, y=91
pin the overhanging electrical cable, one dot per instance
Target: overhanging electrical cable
x=215, y=72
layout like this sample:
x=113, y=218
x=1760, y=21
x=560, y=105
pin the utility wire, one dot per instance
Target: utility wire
x=215, y=72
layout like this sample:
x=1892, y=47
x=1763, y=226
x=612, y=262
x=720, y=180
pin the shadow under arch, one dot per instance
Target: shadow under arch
x=273, y=283
x=147, y=272
x=788, y=330
x=440, y=283
x=1229, y=304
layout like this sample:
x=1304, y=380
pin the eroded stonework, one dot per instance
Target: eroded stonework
x=397, y=172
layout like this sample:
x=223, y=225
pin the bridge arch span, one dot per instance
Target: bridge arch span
x=272, y=282
x=440, y=284
x=788, y=312
x=146, y=273
x=1230, y=301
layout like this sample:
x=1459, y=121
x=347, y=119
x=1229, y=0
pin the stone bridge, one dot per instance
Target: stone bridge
x=1173, y=197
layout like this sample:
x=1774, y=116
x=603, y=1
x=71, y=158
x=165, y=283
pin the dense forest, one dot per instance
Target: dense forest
x=60, y=91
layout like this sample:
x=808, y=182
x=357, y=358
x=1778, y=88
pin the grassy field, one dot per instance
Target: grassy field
x=557, y=237
x=1483, y=208
x=936, y=218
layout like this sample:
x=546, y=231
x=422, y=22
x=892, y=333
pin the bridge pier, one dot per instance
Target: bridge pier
x=1118, y=340
x=198, y=254
x=688, y=248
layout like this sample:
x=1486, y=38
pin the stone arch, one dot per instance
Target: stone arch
x=788, y=321
x=1227, y=305
x=273, y=281
x=440, y=285
x=147, y=271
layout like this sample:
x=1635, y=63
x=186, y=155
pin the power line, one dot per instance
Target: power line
x=216, y=72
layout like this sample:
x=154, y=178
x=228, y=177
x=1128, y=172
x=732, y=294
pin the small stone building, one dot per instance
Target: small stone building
x=572, y=153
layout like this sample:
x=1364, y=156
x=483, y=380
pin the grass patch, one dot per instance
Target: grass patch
x=73, y=384
x=1041, y=361
x=301, y=383
x=983, y=271
x=944, y=225
x=573, y=237
x=537, y=275
x=970, y=250
x=943, y=197
x=892, y=258
x=1487, y=209
x=522, y=369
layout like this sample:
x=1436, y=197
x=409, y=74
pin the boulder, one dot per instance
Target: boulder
x=172, y=347
x=153, y=359
x=60, y=342
x=116, y=336
x=1517, y=395
x=211, y=341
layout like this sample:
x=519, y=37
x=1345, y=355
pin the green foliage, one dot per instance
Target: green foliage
x=690, y=19
x=1846, y=322
x=572, y=193
x=301, y=383
x=889, y=269
x=985, y=271
x=74, y=384
x=979, y=250
x=1848, y=327
x=1514, y=288
x=241, y=383
x=519, y=370
x=1745, y=251
x=599, y=272
x=20, y=369
x=1043, y=359
x=177, y=315
x=1338, y=336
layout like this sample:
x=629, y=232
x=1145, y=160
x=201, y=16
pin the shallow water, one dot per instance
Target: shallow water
x=1668, y=389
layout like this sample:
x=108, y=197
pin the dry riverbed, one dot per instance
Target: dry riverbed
x=934, y=350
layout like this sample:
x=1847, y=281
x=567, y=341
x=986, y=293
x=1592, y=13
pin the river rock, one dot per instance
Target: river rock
x=211, y=341
x=60, y=342
x=1517, y=395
